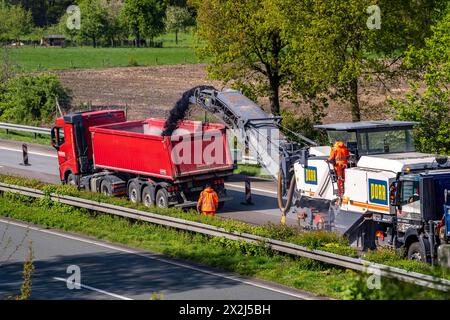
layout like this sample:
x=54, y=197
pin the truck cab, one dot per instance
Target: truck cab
x=70, y=137
x=421, y=201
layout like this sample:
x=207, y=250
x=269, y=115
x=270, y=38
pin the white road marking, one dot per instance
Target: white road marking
x=256, y=189
x=95, y=289
x=148, y=256
x=31, y=152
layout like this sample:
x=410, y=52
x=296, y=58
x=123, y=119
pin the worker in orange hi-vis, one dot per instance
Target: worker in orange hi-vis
x=208, y=202
x=339, y=157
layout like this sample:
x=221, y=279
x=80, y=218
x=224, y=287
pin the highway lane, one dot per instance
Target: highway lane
x=109, y=271
x=44, y=167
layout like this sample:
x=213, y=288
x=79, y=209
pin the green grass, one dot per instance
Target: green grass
x=185, y=40
x=251, y=170
x=40, y=59
x=25, y=137
x=246, y=259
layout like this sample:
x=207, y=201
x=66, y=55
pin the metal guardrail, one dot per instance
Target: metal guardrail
x=23, y=128
x=280, y=246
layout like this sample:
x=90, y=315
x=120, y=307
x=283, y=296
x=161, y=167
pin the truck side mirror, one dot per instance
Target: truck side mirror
x=394, y=193
x=55, y=138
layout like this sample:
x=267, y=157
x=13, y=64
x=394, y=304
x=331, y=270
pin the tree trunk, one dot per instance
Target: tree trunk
x=138, y=39
x=94, y=42
x=176, y=37
x=356, y=112
x=274, y=97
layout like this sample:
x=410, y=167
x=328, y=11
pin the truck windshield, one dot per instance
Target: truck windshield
x=386, y=141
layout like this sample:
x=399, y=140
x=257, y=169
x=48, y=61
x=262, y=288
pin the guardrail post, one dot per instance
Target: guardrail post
x=25, y=155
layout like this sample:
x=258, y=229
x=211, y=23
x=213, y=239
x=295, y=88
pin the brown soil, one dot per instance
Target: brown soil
x=152, y=91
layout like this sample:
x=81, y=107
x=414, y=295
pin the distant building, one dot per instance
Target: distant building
x=53, y=40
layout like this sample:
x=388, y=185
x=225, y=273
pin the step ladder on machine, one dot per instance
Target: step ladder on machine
x=333, y=178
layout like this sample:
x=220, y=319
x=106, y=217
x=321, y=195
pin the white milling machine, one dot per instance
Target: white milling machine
x=385, y=182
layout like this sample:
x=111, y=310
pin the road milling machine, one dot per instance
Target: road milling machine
x=392, y=194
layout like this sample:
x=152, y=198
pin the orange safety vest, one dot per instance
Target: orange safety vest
x=208, y=201
x=339, y=153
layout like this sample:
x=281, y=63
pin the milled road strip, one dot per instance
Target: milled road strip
x=94, y=289
x=152, y=256
x=30, y=152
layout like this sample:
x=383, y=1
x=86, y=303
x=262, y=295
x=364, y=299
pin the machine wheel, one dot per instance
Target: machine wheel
x=106, y=188
x=415, y=252
x=72, y=180
x=221, y=204
x=162, y=198
x=133, y=192
x=147, y=197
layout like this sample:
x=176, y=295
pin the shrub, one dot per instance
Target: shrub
x=301, y=124
x=132, y=62
x=32, y=99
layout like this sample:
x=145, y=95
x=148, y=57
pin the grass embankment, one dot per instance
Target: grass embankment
x=245, y=259
x=325, y=241
x=24, y=137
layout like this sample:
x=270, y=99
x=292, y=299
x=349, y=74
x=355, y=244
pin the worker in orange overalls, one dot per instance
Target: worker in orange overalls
x=208, y=202
x=339, y=158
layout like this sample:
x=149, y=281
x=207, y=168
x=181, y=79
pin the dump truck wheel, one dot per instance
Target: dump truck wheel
x=162, y=198
x=72, y=180
x=147, y=197
x=106, y=188
x=133, y=192
x=415, y=252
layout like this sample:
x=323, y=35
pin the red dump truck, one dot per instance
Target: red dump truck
x=102, y=152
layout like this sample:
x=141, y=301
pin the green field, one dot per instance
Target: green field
x=39, y=59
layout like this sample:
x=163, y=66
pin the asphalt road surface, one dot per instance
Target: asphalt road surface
x=108, y=271
x=44, y=167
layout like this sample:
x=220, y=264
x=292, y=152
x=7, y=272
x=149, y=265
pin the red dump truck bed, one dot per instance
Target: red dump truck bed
x=137, y=147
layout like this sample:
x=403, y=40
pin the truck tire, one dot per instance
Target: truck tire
x=106, y=188
x=162, y=198
x=221, y=204
x=147, y=199
x=133, y=192
x=72, y=180
x=416, y=253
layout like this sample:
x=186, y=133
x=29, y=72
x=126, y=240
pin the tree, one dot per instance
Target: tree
x=342, y=41
x=143, y=18
x=44, y=12
x=114, y=28
x=93, y=20
x=32, y=99
x=245, y=43
x=177, y=19
x=430, y=107
x=15, y=22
